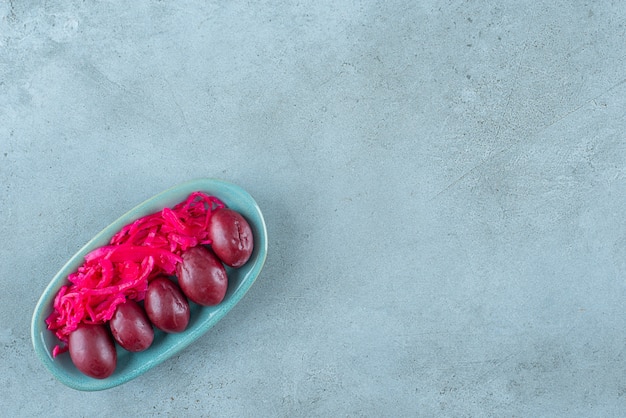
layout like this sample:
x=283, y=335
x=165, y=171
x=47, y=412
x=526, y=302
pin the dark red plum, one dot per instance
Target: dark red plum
x=231, y=237
x=202, y=277
x=131, y=327
x=92, y=350
x=166, y=306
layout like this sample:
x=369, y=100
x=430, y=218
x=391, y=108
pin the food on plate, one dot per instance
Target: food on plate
x=202, y=277
x=92, y=350
x=166, y=305
x=131, y=327
x=231, y=237
x=102, y=303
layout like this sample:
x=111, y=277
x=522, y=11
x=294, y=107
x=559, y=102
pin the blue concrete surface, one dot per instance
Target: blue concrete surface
x=444, y=184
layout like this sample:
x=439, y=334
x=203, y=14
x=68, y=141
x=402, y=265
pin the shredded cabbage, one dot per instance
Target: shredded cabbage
x=140, y=251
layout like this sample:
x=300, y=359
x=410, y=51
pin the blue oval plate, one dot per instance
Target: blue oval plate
x=131, y=365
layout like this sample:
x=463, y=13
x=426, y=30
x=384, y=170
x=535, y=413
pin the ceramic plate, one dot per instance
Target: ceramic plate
x=131, y=365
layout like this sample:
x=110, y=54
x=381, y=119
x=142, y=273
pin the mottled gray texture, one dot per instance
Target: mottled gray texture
x=444, y=184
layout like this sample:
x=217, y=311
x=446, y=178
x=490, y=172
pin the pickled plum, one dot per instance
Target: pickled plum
x=131, y=327
x=202, y=277
x=166, y=306
x=231, y=237
x=92, y=350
